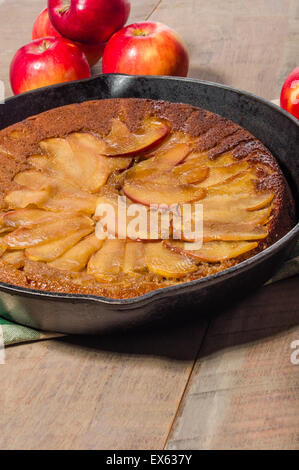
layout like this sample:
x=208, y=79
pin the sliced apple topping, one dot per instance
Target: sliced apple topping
x=15, y=258
x=227, y=202
x=28, y=217
x=233, y=232
x=122, y=142
x=77, y=257
x=149, y=182
x=157, y=165
x=54, y=249
x=221, y=174
x=121, y=218
x=106, y=263
x=151, y=193
x=25, y=197
x=232, y=214
x=134, y=261
x=52, y=216
x=165, y=263
x=212, y=252
x=26, y=237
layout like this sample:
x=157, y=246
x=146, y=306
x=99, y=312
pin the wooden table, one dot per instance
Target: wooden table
x=221, y=383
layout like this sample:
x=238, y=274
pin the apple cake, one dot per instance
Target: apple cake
x=59, y=167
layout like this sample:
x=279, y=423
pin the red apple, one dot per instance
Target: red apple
x=146, y=49
x=88, y=20
x=289, y=98
x=44, y=28
x=45, y=62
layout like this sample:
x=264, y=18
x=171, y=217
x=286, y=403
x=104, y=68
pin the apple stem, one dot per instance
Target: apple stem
x=139, y=32
x=65, y=8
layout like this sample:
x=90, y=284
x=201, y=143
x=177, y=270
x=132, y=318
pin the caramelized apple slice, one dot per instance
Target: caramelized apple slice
x=16, y=258
x=163, y=262
x=212, y=252
x=227, y=202
x=244, y=183
x=25, y=197
x=106, y=263
x=68, y=203
x=122, y=142
x=28, y=217
x=62, y=159
x=190, y=172
x=204, y=159
x=234, y=215
x=96, y=148
x=77, y=257
x=221, y=174
x=95, y=168
x=54, y=249
x=156, y=166
x=26, y=237
x=233, y=231
x=3, y=245
x=155, y=193
x=40, y=162
x=37, y=180
x=134, y=261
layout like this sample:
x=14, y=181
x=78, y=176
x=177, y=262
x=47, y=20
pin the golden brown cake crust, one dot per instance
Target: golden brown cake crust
x=217, y=135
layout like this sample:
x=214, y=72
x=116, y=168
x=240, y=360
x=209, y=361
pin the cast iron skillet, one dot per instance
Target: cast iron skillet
x=75, y=313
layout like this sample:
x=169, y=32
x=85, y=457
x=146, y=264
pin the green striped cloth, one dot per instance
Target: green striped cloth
x=11, y=333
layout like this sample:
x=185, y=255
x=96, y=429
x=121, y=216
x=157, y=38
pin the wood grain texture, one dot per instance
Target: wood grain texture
x=117, y=392
x=249, y=45
x=244, y=390
x=124, y=392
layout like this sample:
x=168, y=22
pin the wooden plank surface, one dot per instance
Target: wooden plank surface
x=124, y=392
x=244, y=390
x=117, y=392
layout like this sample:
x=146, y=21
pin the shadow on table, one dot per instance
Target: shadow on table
x=264, y=313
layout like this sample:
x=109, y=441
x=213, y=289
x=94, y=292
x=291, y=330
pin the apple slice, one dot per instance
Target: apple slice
x=3, y=245
x=26, y=237
x=154, y=193
x=25, y=197
x=77, y=257
x=225, y=214
x=121, y=142
x=165, y=263
x=95, y=167
x=106, y=263
x=156, y=166
x=190, y=172
x=54, y=249
x=134, y=261
x=212, y=252
x=15, y=258
x=228, y=202
x=233, y=231
x=204, y=159
x=28, y=217
x=58, y=203
x=222, y=174
x=62, y=159
x=39, y=162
